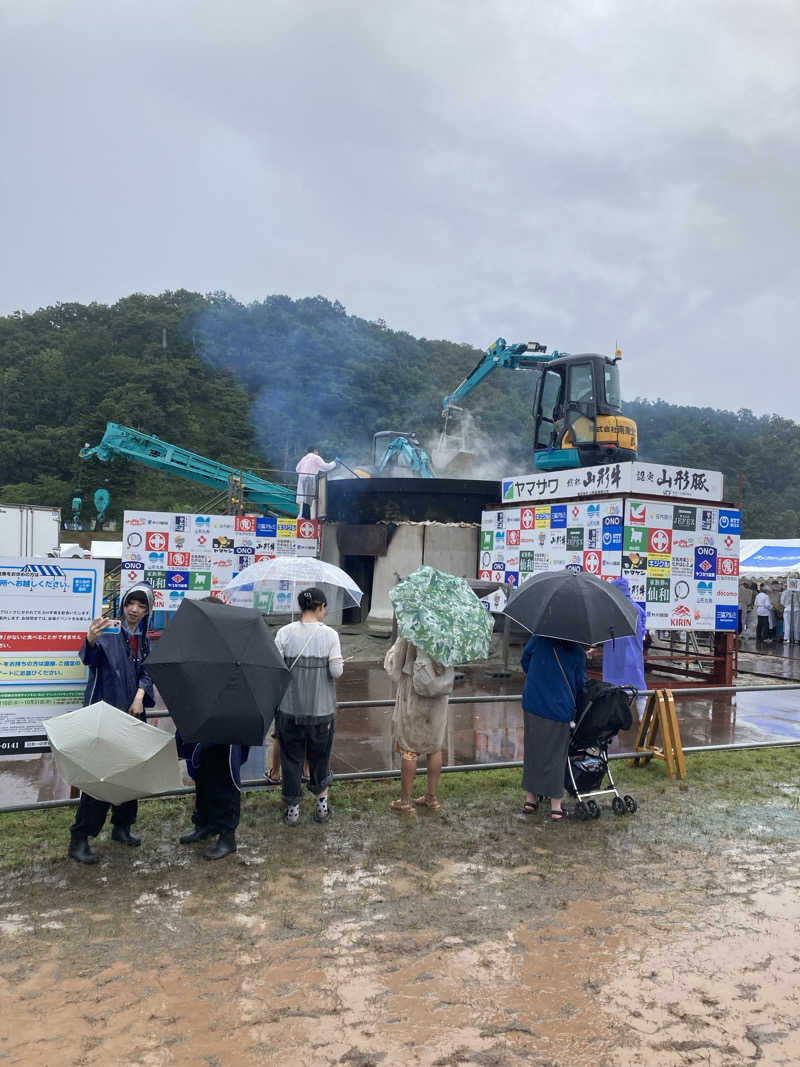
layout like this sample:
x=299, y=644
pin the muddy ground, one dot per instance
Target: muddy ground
x=477, y=936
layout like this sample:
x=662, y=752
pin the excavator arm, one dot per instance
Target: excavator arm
x=499, y=354
x=128, y=443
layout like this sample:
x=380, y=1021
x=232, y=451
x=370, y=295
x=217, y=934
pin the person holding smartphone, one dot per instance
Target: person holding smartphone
x=114, y=651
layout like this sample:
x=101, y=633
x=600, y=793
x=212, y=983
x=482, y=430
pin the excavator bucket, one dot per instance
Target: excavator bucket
x=459, y=465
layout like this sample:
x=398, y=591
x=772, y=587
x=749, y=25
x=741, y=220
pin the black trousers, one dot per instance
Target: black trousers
x=217, y=801
x=762, y=628
x=92, y=814
x=299, y=742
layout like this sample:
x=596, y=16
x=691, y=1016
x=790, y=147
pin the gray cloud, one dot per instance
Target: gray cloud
x=579, y=174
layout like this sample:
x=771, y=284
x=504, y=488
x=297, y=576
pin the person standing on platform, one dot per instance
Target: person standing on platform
x=308, y=468
x=115, y=653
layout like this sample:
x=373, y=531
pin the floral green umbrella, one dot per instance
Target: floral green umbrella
x=440, y=614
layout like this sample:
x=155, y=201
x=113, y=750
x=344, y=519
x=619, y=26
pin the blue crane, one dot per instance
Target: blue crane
x=153, y=452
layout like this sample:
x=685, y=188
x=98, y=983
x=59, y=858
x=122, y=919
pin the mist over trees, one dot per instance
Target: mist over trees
x=255, y=385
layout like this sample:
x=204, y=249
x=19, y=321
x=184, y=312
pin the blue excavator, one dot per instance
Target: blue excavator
x=247, y=488
x=577, y=412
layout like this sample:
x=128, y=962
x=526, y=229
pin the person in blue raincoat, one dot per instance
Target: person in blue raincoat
x=115, y=658
x=623, y=658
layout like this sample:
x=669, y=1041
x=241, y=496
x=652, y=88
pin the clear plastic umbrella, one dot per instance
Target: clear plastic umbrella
x=288, y=575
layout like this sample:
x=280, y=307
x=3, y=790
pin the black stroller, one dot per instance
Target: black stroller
x=605, y=710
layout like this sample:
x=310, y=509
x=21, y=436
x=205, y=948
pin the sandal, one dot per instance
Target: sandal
x=271, y=780
x=399, y=808
x=427, y=801
x=530, y=806
x=558, y=816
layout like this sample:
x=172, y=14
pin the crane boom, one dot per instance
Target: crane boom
x=153, y=452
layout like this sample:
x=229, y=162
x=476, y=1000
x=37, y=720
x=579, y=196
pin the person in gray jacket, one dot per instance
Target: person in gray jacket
x=304, y=721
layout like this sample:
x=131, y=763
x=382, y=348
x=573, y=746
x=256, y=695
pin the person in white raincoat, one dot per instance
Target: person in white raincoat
x=764, y=616
x=790, y=601
x=419, y=719
x=308, y=468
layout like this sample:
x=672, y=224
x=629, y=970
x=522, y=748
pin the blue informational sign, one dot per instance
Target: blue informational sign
x=612, y=533
x=730, y=522
x=727, y=618
x=266, y=527
x=177, y=579
x=705, y=562
x=512, y=577
x=558, y=517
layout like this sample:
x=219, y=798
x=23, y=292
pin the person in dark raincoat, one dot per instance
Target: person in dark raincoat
x=216, y=772
x=623, y=658
x=116, y=675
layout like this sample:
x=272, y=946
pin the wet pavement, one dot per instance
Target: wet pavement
x=492, y=732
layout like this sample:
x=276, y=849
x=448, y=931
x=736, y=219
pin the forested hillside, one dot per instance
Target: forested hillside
x=254, y=385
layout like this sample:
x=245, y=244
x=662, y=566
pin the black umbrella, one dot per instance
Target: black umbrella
x=573, y=606
x=220, y=673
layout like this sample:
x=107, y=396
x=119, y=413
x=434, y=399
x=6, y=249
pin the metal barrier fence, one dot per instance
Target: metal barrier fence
x=357, y=776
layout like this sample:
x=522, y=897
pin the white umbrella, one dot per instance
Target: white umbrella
x=278, y=574
x=113, y=756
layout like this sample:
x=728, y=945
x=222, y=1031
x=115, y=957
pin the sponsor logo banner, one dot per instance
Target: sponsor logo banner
x=730, y=522
x=659, y=542
x=684, y=518
x=705, y=562
x=727, y=567
x=658, y=591
x=659, y=566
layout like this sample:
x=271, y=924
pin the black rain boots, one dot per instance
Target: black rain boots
x=226, y=843
x=79, y=849
x=200, y=833
x=123, y=836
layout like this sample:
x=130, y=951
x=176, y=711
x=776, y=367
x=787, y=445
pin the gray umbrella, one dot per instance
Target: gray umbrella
x=573, y=606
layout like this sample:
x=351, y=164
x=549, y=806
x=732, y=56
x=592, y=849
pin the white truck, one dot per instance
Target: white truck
x=28, y=530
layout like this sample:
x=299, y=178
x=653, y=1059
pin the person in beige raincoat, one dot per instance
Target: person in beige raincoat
x=419, y=719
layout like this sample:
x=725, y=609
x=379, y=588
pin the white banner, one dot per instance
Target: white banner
x=681, y=560
x=193, y=556
x=650, y=479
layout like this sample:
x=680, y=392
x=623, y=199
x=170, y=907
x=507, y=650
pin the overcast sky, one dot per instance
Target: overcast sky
x=578, y=173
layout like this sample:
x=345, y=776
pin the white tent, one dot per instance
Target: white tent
x=106, y=549
x=72, y=551
x=768, y=558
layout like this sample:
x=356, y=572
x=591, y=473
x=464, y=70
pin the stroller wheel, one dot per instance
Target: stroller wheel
x=630, y=803
x=618, y=806
x=593, y=809
x=581, y=812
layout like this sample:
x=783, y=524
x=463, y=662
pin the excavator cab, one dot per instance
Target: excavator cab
x=577, y=414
